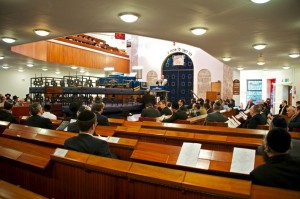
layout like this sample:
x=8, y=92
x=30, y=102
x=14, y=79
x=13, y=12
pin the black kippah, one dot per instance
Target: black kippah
x=175, y=106
x=279, y=140
x=86, y=115
x=279, y=122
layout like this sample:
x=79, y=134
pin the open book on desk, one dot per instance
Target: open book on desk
x=233, y=122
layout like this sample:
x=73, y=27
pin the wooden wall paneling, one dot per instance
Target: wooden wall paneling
x=36, y=50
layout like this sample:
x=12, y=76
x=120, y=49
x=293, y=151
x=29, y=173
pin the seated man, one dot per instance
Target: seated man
x=216, y=116
x=295, y=121
x=85, y=141
x=36, y=119
x=98, y=109
x=47, y=114
x=72, y=126
x=181, y=104
x=6, y=113
x=281, y=169
x=164, y=110
x=255, y=119
x=195, y=111
x=177, y=114
x=150, y=111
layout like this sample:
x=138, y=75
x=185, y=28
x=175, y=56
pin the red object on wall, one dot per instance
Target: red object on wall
x=119, y=35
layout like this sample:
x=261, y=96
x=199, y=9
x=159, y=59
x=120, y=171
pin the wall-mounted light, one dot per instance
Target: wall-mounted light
x=41, y=32
x=198, y=30
x=259, y=46
x=8, y=40
x=109, y=69
x=294, y=55
x=128, y=17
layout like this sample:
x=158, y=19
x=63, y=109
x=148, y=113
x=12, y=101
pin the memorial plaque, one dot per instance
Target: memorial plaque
x=236, y=87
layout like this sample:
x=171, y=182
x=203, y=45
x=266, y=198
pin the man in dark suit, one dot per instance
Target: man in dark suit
x=72, y=126
x=295, y=121
x=256, y=118
x=98, y=109
x=281, y=169
x=36, y=119
x=216, y=116
x=164, y=110
x=177, y=114
x=148, y=98
x=282, y=108
x=181, y=104
x=85, y=141
x=150, y=111
x=6, y=113
x=249, y=104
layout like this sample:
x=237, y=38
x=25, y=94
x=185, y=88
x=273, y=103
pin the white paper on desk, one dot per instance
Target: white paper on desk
x=231, y=123
x=73, y=120
x=242, y=160
x=237, y=122
x=134, y=118
x=189, y=154
x=60, y=152
x=101, y=138
x=113, y=139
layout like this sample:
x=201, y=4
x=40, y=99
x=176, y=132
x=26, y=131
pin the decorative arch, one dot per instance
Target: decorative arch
x=204, y=83
x=178, y=69
x=151, y=77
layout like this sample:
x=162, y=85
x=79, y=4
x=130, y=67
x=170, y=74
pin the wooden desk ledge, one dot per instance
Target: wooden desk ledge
x=133, y=129
x=217, y=185
x=70, y=157
x=108, y=165
x=10, y=191
x=124, y=143
x=259, y=192
x=156, y=175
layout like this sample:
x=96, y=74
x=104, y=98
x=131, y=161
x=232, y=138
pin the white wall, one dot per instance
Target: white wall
x=153, y=52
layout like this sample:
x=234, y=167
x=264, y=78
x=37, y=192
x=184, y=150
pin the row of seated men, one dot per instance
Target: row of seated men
x=280, y=170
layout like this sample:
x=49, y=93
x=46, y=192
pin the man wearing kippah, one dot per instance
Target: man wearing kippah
x=281, y=169
x=85, y=141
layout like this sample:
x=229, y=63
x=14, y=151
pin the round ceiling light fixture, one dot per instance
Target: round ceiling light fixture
x=286, y=67
x=1, y=57
x=21, y=70
x=5, y=67
x=259, y=46
x=226, y=59
x=260, y=1
x=109, y=69
x=8, y=40
x=29, y=65
x=74, y=67
x=44, y=69
x=57, y=72
x=198, y=30
x=128, y=17
x=41, y=32
x=240, y=68
x=294, y=55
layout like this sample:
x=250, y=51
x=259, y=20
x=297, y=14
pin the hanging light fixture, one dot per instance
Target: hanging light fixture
x=198, y=30
x=259, y=46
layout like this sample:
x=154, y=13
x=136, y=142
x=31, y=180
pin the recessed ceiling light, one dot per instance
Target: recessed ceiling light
x=21, y=70
x=41, y=32
x=226, y=58
x=5, y=67
x=261, y=63
x=285, y=67
x=44, y=69
x=240, y=68
x=199, y=30
x=29, y=65
x=109, y=69
x=57, y=72
x=294, y=55
x=74, y=67
x=81, y=71
x=260, y=1
x=8, y=40
x=1, y=57
x=128, y=17
x=259, y=46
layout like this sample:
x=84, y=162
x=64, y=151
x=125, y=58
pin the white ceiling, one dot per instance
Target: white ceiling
x=233, y=26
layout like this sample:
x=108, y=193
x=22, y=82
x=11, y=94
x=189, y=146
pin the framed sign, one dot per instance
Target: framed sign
x=236, y=87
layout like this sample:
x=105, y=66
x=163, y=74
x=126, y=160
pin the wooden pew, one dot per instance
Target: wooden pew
x=27, y=153
x=123, y=147
x=209, y=161
x=10, y=191
x=3, y=125
x=219, y=124
x=78, y=175
x=55, y=123
x=115, y=122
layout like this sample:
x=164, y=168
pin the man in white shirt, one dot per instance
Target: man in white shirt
x=47, y=114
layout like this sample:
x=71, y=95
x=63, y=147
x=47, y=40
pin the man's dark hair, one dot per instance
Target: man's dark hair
x=279, y=122
x=298, y=102
x=206, y=105
x=47, y=108
x=34, y=108
x=197, y=106
x=298, y=108
x=163, y=102
x=148, y=105
x=217, y=105
x=175, y=106
x=85, y=120
x=182, y=100
x=8, y=105
x=96, y=107
x=74, y=106
x=278, y=140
